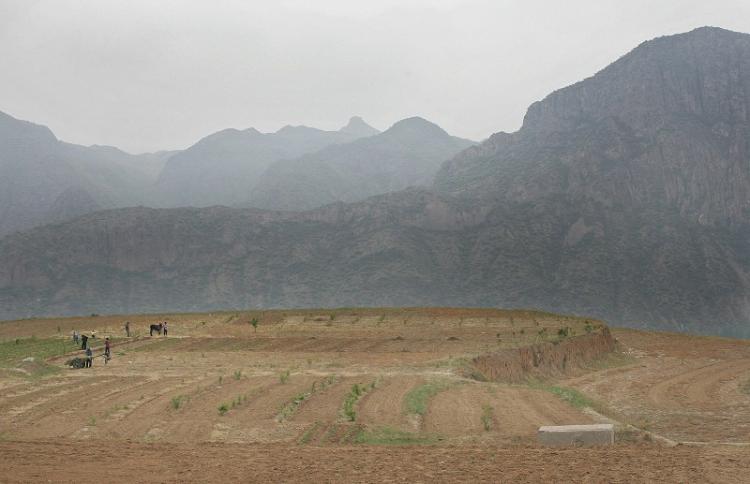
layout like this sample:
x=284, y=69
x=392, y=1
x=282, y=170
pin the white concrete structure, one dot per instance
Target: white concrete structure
x=563, y=435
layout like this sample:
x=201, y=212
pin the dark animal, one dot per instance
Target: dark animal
x=76, y=363
x=155, y=327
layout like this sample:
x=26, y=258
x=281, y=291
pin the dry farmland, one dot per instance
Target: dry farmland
x=366, y=395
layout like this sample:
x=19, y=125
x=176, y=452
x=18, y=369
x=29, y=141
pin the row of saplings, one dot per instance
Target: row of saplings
x=87, y=360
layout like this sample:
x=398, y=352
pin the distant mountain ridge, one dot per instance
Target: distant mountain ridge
x=409, y=153
x=623, y=197
x=45, y=180
x=222, y=169
x=39, y=174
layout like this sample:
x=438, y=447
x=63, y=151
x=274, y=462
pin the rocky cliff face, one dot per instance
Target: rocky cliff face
x=666, y=125
x=404, y=249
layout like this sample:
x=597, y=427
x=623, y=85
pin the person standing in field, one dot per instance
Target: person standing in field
x=107, y=349
x=75, y=337
x=89, y=357
x=127, y=329
x=165, y=328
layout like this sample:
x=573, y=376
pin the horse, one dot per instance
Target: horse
x=155, y=327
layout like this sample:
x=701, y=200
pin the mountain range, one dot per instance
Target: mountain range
x=224, y=168
x=45, y=180
x=407, y=154
x=623, y=197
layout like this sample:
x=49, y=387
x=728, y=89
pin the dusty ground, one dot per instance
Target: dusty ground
x=40, y=461
x=688, y=389
x=218, y=400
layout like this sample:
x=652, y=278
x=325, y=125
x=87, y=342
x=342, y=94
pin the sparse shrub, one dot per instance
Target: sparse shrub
x=58, y=329
x=291, y=407
x=418, y=397
x=523, y=331
x=477, y=375
x=94, y=315
x=237, y=375
x=486, y=417
x=284, y=377
x=333, y=316
x=382, y=318
x=563, y=332
x=254, y=323
x=351, y=399
x=221, y=379
x=92, y=421
x=588, y=327
x=309, y=433
x=177, y=401
x=223, y=409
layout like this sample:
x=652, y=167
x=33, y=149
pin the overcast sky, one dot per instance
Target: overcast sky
x=149, y=75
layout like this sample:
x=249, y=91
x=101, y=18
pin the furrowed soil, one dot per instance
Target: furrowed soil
x=366, y=395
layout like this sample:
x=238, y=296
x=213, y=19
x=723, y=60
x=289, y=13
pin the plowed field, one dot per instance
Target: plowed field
x=361, y=395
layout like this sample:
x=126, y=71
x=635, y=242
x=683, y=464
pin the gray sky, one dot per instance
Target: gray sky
x=148, y=75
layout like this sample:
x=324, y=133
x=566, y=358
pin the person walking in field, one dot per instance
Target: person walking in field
x=89, y=357
x=84, y=341
x=107, y=350
x=127, y=329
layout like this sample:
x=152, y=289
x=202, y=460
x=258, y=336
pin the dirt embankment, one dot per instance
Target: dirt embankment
x=544, y=359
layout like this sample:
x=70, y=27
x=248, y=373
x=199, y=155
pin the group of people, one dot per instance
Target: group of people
x=83, y=340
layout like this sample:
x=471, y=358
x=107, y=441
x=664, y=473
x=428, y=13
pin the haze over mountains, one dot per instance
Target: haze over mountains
x=45, y=180
x=224, y=168
x=408, y=154
x=624, y=197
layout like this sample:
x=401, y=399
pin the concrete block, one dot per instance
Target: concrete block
x=576, y=435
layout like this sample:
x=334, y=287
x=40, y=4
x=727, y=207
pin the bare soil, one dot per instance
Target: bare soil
x=153, y=412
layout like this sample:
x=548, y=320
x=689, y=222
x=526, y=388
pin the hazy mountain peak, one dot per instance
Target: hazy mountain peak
x=292, y=130
x=358, y=127
x=13, y=128
x=416, y=126
x=686, y=74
